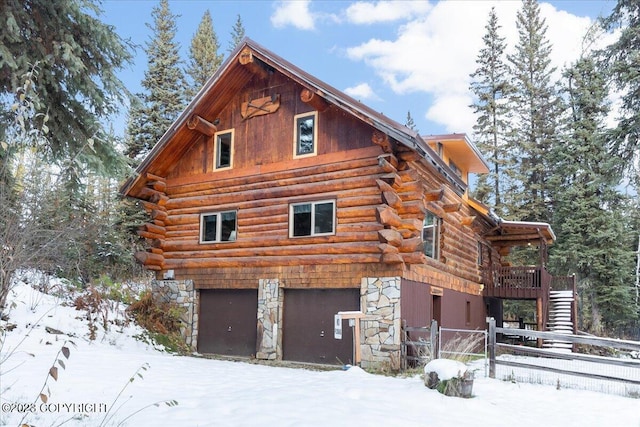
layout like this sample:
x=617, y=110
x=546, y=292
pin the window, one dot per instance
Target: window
x=430, y=235
x=223, y=149
x=312, y=219
x=305, y=134
x=218, y=227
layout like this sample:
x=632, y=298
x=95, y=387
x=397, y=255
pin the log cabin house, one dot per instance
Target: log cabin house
x=277, y=201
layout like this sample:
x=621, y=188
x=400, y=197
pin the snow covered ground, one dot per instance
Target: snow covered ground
x=226, y=393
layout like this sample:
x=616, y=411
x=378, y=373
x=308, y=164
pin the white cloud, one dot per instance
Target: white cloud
x=361, y=92
x=293, y=13
x=436, y=51
x=362, y=12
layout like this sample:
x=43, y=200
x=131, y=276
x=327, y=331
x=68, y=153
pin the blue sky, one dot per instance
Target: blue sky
x=395, y=56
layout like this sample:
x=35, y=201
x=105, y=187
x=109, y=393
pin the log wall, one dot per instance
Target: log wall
x=382, y=191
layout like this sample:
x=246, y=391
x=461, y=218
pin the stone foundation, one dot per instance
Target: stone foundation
x=183, y=294
x=269, y=302
x=381, y=327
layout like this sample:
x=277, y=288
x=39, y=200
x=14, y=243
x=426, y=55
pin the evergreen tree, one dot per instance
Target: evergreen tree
x=536, y=106
x=237, y=34
x=163, y=81
x=77, y=58
x=410, y=123
x=491, y=87
x=204, y=60
x=589, y=211
x=623, y=58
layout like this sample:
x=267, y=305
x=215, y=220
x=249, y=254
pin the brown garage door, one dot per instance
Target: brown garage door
x=307, y=334
x=227, y=321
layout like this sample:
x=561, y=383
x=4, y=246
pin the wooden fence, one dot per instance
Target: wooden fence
x=618, y=370
x=419, y=344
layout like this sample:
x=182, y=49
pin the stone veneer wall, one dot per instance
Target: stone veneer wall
x=269, y=302
x=381, y=326
x=184, y=294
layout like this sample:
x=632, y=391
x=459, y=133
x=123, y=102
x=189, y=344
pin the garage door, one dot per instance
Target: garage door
x=227, y=321
x=307, y=334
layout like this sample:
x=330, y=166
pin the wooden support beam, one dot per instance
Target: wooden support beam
x=160, y=215
x=414, y=258
x=387, y=216
x=392, y=199
x=152, y=177
x=391, y=258
x=314, y=100
x=388, y=162
x=386, y=248
x=390, y=236
x=452, y=207
x=247, y=59
x=160, y=186
x=411, y=245
x=152, y=228
x=383, y=141
x=148, y=258
x=384, y=185
x=411, y=224
x=409, y=156
x=392, y=179
x=433, y=195
x=467, y=220
x=201, y=125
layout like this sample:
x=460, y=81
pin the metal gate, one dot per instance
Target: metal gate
x=308, y=323
x=227, y=321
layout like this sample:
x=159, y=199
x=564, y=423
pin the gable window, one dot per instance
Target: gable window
x=218, y=227
x=312, y=219
x=305, y=138
x=223, y=149
x=431, y=235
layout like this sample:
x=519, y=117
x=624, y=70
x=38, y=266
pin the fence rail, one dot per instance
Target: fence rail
x=613, y=375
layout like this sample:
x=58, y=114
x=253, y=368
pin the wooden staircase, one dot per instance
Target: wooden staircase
x=561, y=318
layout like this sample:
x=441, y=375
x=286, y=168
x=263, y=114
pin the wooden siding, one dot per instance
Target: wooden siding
x=295, y=276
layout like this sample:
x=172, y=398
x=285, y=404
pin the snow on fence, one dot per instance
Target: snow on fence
x=565, y=369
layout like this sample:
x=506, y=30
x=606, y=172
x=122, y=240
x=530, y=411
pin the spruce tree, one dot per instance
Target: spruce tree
x=237, y=34
x=163, y=81
x=204, y=60
x=536, y=107
x=491, y=88
x=77, y=58
x=410, y=123
x=589, y=217
x=623, y=58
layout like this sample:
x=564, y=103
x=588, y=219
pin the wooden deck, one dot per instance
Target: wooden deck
x=524, y=282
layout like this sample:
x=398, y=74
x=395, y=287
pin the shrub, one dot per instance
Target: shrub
x=161, y=319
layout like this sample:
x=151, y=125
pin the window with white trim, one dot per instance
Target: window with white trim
x=312, y=218
x=431, y=236
x=223, y=151
x=306, y=134
x=218, y=227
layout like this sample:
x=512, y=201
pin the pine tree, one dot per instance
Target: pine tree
x=536, y=106
x=237, y=34
x=204, y=60
x=623, y=58
x=589, y=211
x=490, y=85
x=410, y=123
x=163, y=81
